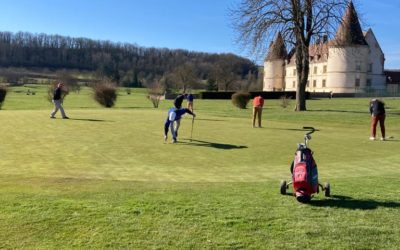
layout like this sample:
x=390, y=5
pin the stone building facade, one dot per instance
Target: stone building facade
x=352, y=62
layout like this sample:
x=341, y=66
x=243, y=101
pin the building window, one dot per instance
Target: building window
x=324, y=83
x=308, y=83
x=294, y=72
x=315, y=83
x=325, y=68
x=294, y=84
x=358, y=65
x=368, y=82
x=357, y=82
x=315, y=70
x=370, y=67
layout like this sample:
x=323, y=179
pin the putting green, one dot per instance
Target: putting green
x=106, y=179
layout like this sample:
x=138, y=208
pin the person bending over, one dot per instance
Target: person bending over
x=173, y=122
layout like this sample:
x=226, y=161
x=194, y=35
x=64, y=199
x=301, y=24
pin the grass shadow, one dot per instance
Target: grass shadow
x=89, y=120
x=346, y=202
x=211, y=144
x=211, y=120
x=338, y=111
x=294, y=129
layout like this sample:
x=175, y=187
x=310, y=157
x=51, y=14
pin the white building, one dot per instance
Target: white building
x=352, y=62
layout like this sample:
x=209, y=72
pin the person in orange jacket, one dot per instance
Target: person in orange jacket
x=258, y=103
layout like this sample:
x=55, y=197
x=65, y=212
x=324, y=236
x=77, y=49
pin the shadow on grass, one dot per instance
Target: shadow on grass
x=338, y=111
x=294, y=129
x=339, y=201
x=210, y=144
x=210, y=120
x=89, y=120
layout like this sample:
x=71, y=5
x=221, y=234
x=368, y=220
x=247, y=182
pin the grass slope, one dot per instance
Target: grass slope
x=106, y=179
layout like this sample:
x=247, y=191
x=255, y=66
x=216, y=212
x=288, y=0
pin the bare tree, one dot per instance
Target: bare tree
x=225, y=75
x=300, y=22
x=185, y=76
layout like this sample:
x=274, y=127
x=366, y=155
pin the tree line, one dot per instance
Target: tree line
x=128, y=64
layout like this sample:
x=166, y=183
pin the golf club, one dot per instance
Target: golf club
x=191, y=132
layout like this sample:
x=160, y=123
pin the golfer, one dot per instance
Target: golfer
x=174, y=121
x=57, y=100
x=258, y=103
x=378, y=114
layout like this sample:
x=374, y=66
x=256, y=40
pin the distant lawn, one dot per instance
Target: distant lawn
x=106, y=179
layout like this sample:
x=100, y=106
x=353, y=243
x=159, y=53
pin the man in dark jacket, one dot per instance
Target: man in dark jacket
x=178, y=100
x=57, y=100
x=377, y=110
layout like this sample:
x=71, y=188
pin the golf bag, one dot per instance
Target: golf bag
x=304, y=174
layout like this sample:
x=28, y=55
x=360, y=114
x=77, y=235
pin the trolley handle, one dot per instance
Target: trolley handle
x=309, y=128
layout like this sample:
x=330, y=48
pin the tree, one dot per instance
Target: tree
x=224, y=75
x=300, y=22
x=185, y=76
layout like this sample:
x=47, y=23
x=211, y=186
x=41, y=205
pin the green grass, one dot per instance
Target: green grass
x=106, y=179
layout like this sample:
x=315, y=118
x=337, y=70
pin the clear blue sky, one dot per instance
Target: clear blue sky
x=202, y=25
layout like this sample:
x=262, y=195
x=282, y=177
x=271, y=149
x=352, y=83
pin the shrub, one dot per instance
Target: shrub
x=241, y=99
x=105, y=94
x=155, y=99
x=3, y=93
x=285, y=101
x=52, y=87
x=156, y=92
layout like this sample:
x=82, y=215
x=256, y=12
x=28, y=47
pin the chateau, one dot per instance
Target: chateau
x=352, y=62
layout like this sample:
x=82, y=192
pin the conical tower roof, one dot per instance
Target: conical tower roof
x=277, y=49
x=350, y=32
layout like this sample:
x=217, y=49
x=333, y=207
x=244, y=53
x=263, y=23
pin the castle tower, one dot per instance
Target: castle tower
x=348, y=60
x=274, y=66
x=376, y=76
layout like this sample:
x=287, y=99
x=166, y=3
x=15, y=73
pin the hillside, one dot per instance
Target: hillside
x=126, y=64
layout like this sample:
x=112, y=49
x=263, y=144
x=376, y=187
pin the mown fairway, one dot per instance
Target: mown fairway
x=106, y=179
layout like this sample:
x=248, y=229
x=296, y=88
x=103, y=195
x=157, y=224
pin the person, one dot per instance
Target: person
x=190, y=99
x=178, y=100
x=57, y=100
x=258, y=103
x=174, y=121
x=378, y=114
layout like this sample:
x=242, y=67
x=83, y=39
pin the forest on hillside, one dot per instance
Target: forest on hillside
x=129, y=65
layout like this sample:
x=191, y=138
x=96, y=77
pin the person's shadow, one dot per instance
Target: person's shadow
x=210, y=144
x=89, y=120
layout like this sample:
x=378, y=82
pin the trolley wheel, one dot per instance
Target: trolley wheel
x=283, y=187
x=327, y=188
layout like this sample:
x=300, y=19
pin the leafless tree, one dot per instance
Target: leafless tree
x=300, y=22
x=185, y=76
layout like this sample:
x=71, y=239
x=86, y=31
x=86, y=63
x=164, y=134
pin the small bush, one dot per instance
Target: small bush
x=128, y=91
x=155, y=99
x=3, y=93
x=105, y=94
x=241, y=99
x=285, y=101
x=156, y=92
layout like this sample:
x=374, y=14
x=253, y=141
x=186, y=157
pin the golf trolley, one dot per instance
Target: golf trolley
x=304, y=172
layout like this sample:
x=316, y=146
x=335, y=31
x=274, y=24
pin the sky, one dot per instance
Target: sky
x=197, y=25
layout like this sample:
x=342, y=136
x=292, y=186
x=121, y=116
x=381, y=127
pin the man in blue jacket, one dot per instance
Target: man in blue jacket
x=174, y=121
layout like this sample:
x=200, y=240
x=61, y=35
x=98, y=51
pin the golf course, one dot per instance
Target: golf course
x=105, y=178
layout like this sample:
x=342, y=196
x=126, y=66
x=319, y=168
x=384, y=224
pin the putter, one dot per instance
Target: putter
x=191, y=132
